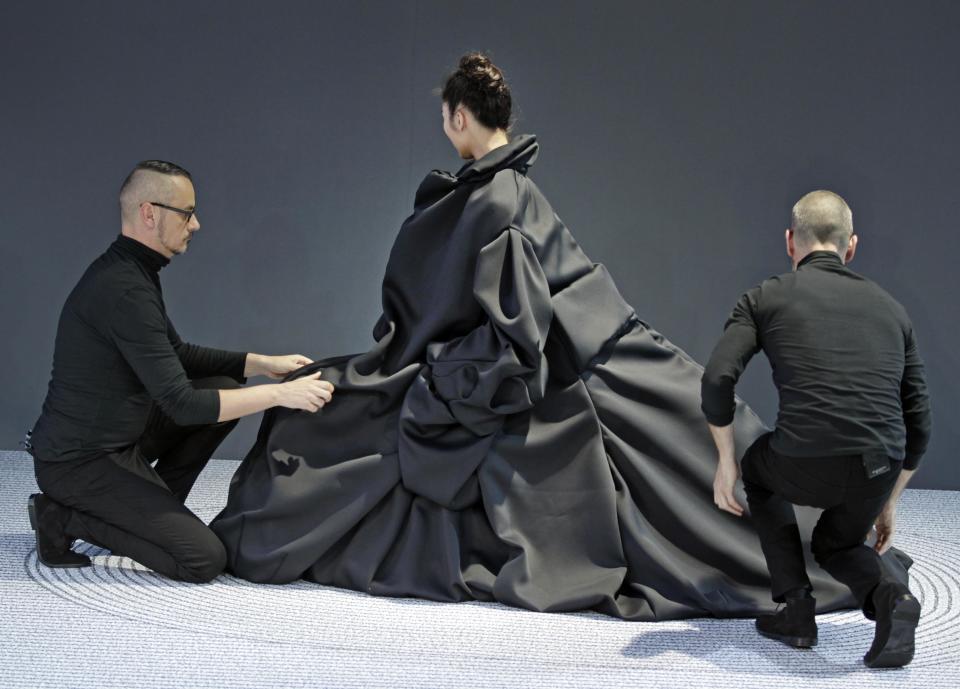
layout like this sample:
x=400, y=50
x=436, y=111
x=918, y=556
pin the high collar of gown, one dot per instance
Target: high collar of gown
x=519, y=154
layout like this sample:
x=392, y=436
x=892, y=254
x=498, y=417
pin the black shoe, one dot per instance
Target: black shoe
x=53, y=544
x=795, y=624
x=898, y=613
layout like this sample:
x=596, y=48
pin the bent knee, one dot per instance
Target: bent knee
x=206, y=563
x=824, y=546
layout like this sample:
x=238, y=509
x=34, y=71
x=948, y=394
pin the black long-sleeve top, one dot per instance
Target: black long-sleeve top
x=117, y=353
x=844, y=360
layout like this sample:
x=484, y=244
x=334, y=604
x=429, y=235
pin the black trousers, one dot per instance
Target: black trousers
x=120, y=502
x=851, y=502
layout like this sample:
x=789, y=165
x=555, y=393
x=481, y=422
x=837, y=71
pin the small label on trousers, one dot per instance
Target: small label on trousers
x=875, y=464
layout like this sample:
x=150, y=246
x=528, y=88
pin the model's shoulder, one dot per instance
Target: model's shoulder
x=507, y=185
x=495, y=201
x=530, y=199
x=536, y=219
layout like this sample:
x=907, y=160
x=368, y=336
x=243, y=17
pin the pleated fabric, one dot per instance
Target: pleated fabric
x=516, y=434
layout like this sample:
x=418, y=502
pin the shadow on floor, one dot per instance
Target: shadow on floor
x=714, y=642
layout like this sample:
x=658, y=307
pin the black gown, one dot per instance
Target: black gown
x=516, y=434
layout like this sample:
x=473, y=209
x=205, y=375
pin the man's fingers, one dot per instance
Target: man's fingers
x=323, y=391
x=733, y=507
x=730, y=504
x=883, y=541
x=727, y=508
x=727, y=503
x=320, y=397
x=723, y=497
x=317, y=403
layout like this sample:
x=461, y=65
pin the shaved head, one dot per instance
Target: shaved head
x=150, y=181
x=822, y=217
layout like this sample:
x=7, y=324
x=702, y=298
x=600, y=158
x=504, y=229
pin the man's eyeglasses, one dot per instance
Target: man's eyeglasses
x=182, y=211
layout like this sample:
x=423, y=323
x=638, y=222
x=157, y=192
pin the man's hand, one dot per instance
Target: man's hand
x=885, y=526
x=275, y=367
x=886, y=523
x=728, y=471
x=723, y=484
x=308, y=393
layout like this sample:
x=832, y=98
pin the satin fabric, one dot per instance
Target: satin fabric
x=516, y=434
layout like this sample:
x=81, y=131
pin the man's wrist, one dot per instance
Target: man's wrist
x=255, y=365
x=274, y=393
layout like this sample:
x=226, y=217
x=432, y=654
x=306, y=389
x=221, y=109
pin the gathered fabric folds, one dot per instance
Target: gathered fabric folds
x=515, y=434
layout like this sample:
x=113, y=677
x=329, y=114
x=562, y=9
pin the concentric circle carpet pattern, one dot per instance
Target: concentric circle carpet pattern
x=118, y=625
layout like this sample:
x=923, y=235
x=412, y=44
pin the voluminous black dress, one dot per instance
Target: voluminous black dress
x=516, y=434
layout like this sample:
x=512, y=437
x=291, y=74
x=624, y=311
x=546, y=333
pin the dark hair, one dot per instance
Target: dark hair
x=479, y=86
x=161, y=166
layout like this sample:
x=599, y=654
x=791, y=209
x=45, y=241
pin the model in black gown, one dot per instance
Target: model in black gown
x=516, y=434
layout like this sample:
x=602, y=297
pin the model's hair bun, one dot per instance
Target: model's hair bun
x=483, y=74
x=479, y=86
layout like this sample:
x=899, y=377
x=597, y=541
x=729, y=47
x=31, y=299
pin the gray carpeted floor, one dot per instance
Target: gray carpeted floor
x=117, y=625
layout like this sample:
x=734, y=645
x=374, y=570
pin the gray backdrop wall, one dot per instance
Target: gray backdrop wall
x=675, y=137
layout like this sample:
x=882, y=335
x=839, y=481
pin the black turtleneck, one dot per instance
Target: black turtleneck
x=844, y=360
x=117, y=353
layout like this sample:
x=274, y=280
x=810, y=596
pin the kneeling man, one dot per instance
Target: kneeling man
x=853, y=423
x=127, y=391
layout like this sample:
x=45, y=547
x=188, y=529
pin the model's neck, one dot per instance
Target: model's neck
x=485, y=144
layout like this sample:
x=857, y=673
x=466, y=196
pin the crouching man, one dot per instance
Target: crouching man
x=853, y=423
x=126, y=392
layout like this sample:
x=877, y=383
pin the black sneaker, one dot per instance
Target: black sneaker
x=795, y=624
x=898, y=613
x=53, y=544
